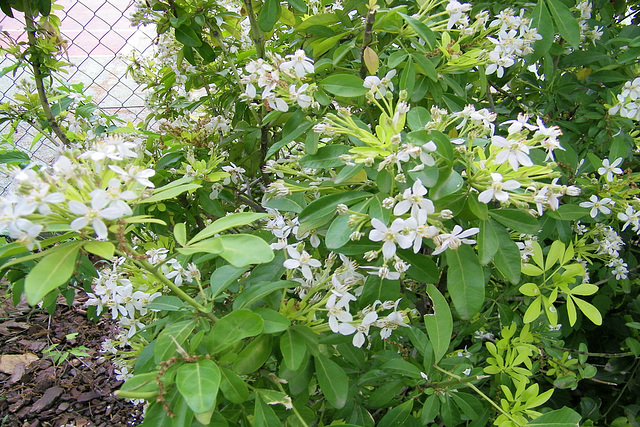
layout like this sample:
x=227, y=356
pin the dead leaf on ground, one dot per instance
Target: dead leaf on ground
x=8, y=362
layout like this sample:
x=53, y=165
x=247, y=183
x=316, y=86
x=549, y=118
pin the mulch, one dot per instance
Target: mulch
x=77, y=392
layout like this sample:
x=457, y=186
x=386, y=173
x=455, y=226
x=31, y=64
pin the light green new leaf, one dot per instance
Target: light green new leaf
x=533, y=311
x=345, y=85
x=556, y=252
x=439, y=324
x=233, y=327
x=244, y=249
x=209, y=246
x=166, y=303
x=104, y=250
x=589, y=310
x=333, y=381
x=52, y=271
x=180, y=233
x=565, y=22
x=198, y=383
x=229, y=221
x=465, y=281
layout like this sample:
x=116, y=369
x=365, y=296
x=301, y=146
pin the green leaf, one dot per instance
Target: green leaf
x=332, y=380
x=180, y=233
x=104, y=250
x=273, y=322
x=448, y=183
x=52, y=271
x=556, y=252
x=345, y=85
x=233, y=327
x=565, y=22
x=507, y=258
x=422, y=269
x=293, y=349
x=487, y=241
x=209, y=246
x=421, y=30
x=430, y=409
x=269, y=14
x=400, y=367
x=465, y=281
x=141, y=383
x=13, y=156
x=516, y=220
x=541, y=20
x=170, y=193
x=425, y=66
x=233, y=387
x=589, y=310
x=398, y=415
x=235, y=249
x=327, y=157
x=198, y=383
x=326, y=206
x=564, y=417
x=263, y=415
x=339, y=231
x=229, y=221
x=298, y=5
x=259, y=291
x=166, y=303
x=172, y=336
x=254, y=355
x=533, y=311
x=439, y=324
x=222, y=278
x=44, y=6
x=187, y=36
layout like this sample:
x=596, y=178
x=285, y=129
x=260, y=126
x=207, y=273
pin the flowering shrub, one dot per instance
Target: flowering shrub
x=355, y=213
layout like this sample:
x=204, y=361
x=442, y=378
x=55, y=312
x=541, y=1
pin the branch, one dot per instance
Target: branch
x=368, y=36
x=256, y=33
x=34, y=60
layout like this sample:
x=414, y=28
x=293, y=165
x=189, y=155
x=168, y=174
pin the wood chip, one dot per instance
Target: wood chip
x=8, y=362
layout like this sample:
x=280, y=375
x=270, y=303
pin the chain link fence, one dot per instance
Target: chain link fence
x=100, y=38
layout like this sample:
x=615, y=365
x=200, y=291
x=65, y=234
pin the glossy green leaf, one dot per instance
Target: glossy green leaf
x=172, y=336
x=400, y=367
x=541, y=20
x=293, y=349
x=166, y=303
x=398, y=415
x=326, y=157
x=233, y=327
x=254, y=355
x=439, y=324
x=180, y=233
x=507, y=259
x=421, y=30
x=263, y=415
x=565, y=22
x=564, y=417
x=54, y=270
x=13, y=156
x=227, y=222
x=423, y=268
x=345, y=85
x=465, y=281
x=430, y=409
x=589, y=310
x=141, y=383
x=170, y=193
x=333, y=381
x=487, y=241
x=235, y=249
x=198, y=383
x=224, y=277
x=233, y=387
x=187, y=36
x=326, y=206
x=269, y=14
x=516, y=220
x=103, y=249
x=273, y=322
x=259, y=291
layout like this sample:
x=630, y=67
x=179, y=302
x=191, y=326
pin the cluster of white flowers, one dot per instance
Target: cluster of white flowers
x=627, y=103
x=586, y=32
x=114, y=291
x=272, y=79
x=73, y=191
x=514, y=41
x=173, y=269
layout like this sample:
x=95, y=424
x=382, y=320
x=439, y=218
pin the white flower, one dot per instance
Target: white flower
x=299, y=63
x=515, y=152
x=274, y=102
x=412, y=199
x=379, y=86
x=631, y=216
x=134, y=173
x=597, y=205
x=301, y=260
x=496, y=189
x=456, y=12
x=95, y=214
x=235, y=174
x=454, y=239
x=299, y=95
x=392, y=235
x=609, y=169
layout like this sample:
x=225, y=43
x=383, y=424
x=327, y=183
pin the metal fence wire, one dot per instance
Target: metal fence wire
x=100, y=38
